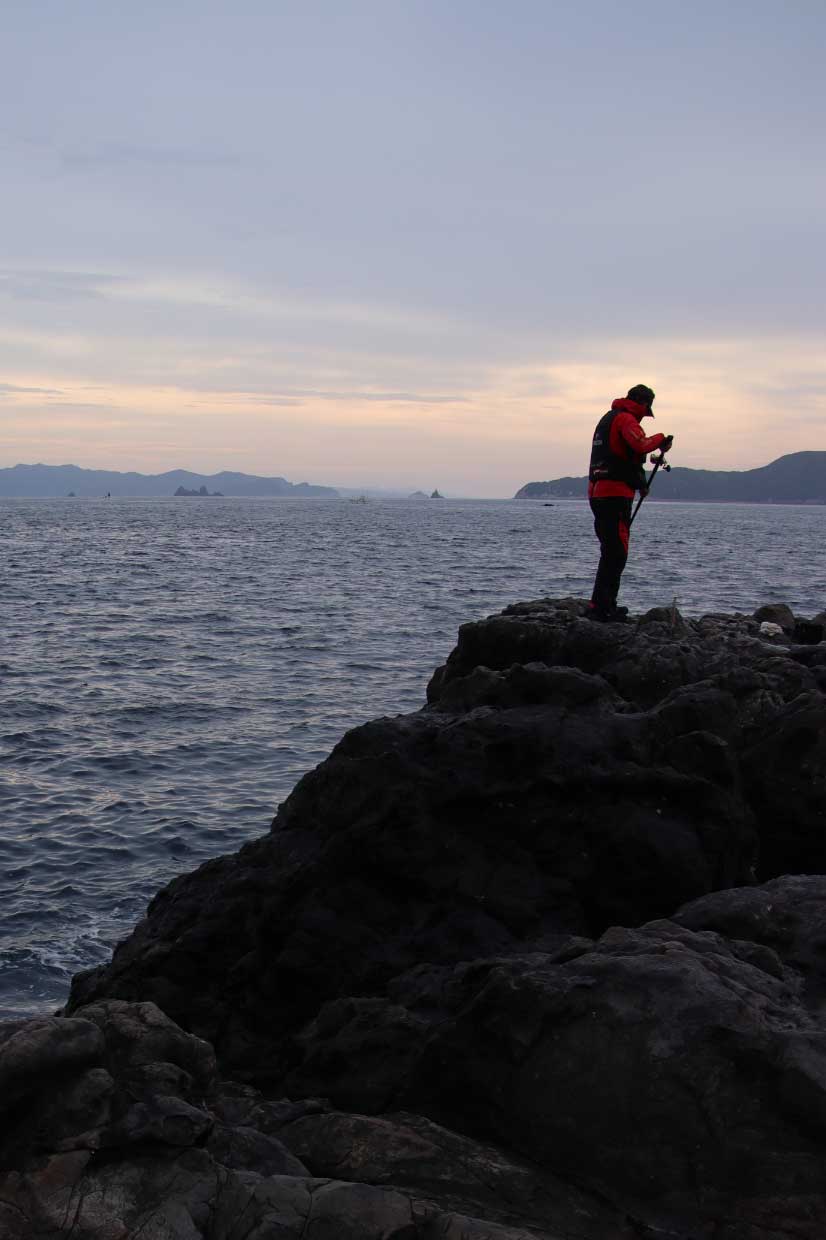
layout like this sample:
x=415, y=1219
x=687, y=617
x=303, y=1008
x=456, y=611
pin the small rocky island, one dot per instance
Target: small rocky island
x=546, y=958
x=200, y=493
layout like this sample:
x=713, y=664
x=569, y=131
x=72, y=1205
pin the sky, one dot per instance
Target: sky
x=408, y=243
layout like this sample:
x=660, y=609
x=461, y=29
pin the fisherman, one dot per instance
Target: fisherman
x=615, y=474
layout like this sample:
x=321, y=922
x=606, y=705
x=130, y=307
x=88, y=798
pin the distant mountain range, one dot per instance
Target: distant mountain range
x=53, y=481
x=799, y=478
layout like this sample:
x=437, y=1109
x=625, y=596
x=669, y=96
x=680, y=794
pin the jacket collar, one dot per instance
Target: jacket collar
x=623, y=405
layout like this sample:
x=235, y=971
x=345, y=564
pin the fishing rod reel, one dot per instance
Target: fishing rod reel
x=659, y=462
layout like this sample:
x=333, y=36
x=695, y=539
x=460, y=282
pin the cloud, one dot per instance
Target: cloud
x=56, y=285
x=353, y=396
x=16, y=389
x=411, y=398
x=234, y=398
x=124, y=154
x=506, y=425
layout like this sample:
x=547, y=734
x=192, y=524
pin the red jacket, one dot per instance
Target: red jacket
x=627, y=440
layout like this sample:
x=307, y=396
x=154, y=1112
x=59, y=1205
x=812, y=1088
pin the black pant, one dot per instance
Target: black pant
x=612, y=518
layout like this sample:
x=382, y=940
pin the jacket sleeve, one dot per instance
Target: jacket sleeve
x=631, y=431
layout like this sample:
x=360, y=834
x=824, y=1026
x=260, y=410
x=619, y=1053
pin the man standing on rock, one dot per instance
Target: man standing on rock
x=615, y=474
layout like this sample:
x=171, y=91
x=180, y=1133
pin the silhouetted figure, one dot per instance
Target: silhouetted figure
x=616, y=472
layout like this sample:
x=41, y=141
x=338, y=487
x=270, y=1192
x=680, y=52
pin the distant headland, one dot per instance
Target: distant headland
x=799, y=478
x=54, y=481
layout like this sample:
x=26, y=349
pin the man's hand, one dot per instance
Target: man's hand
x=665, y=446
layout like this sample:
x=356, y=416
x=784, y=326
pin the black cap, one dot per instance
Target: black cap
x=641, y=394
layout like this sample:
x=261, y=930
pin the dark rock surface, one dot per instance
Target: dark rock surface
x=115, y=1124
x=536, y=944
x=681, y=1070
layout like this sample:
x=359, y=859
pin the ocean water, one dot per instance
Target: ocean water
x=170, y=668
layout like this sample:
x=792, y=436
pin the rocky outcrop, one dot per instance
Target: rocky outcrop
x=534, y=945
x=565, y=777
x=115, y=1125
x=678, y=1073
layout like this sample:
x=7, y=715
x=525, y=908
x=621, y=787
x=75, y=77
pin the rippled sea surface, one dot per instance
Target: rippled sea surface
x=169, y=668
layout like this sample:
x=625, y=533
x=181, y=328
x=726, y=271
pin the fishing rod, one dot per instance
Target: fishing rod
x=659, y=462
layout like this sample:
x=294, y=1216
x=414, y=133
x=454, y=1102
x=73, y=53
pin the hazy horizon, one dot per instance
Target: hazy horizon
x=373, y=487
x=369, y=244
